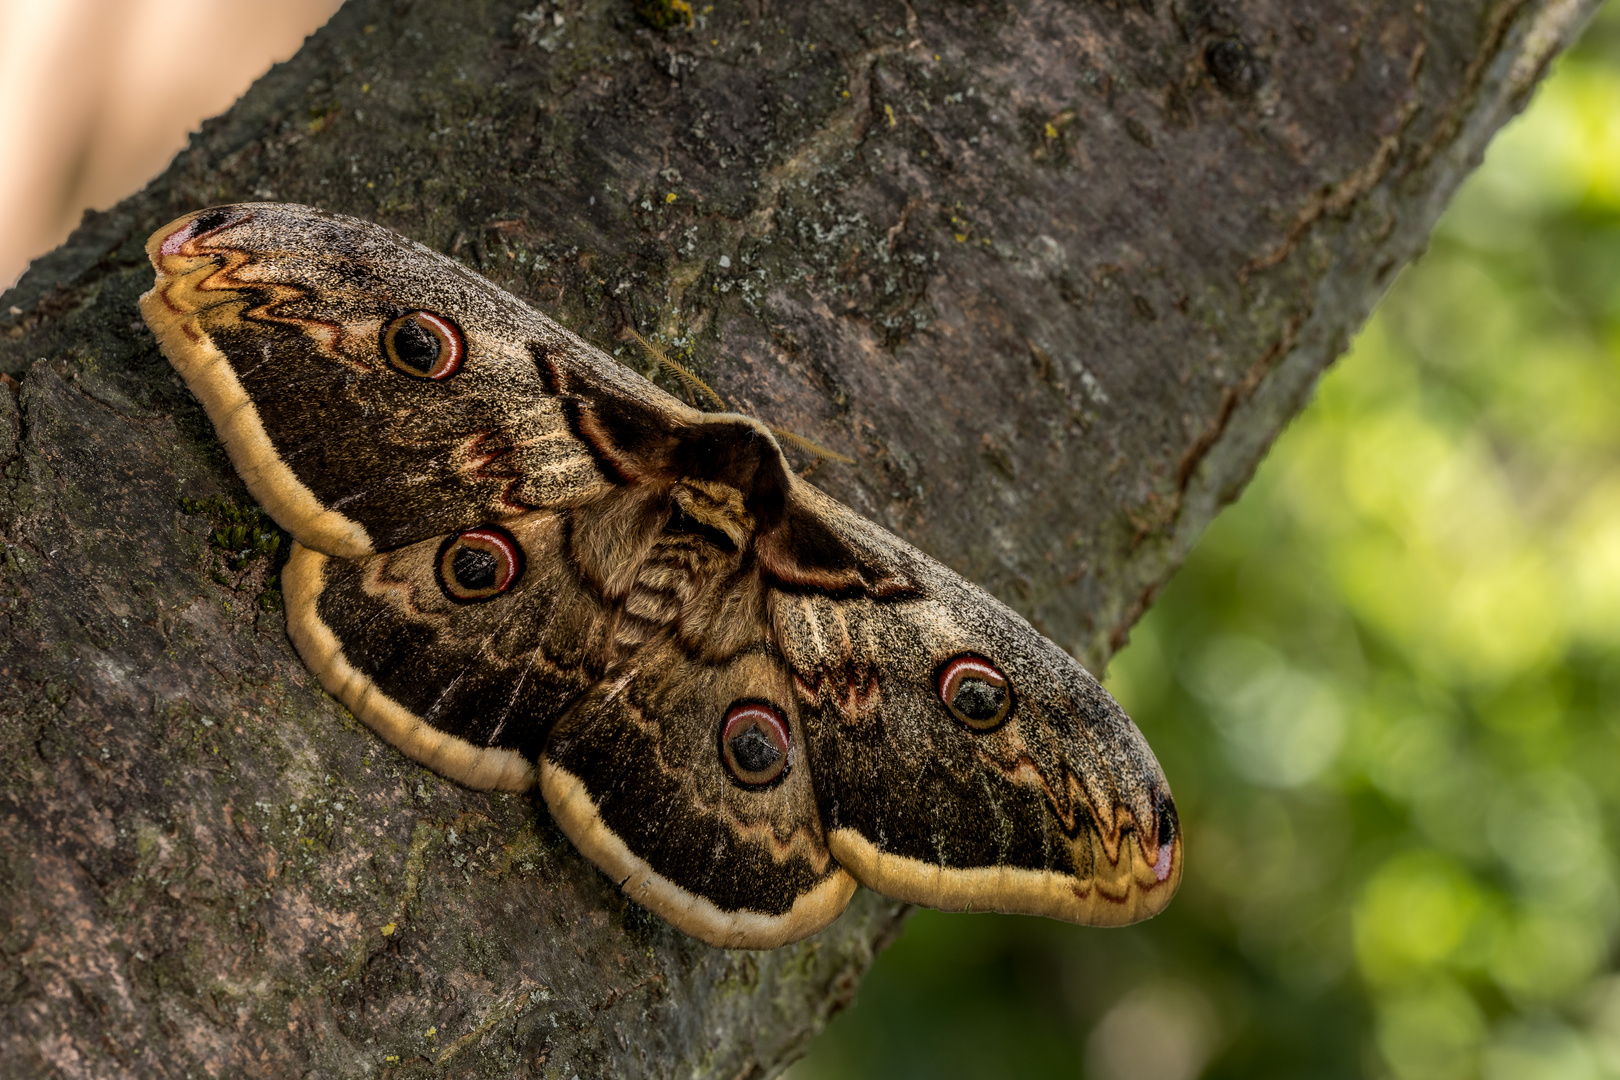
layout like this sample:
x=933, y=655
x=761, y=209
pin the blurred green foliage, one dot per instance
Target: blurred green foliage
x=1386, y=690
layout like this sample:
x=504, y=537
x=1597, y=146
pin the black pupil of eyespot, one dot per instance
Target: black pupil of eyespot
x=979, y=700
x=415, y=346
x=474, y=568
x=753, y=751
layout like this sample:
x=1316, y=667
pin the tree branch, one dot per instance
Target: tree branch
x=1054, y=274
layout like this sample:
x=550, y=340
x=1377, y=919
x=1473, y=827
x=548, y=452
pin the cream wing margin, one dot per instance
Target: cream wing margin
x=484, y=767
x=571, y=805
x=211, y=378
x=1134, y=893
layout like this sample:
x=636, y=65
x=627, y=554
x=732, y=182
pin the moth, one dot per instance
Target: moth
x=523, y=564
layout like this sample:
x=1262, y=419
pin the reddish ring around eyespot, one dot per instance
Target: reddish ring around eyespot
x=975, y=691
x=479, y=564
x=424, y=345
x=754, y=743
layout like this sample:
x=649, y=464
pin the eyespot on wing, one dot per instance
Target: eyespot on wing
x=754, y=744
x=424, y=345
x=975, y=691
x=479, y=564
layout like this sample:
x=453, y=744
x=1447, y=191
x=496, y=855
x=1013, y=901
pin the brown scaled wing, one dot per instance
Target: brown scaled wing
x=519, y=561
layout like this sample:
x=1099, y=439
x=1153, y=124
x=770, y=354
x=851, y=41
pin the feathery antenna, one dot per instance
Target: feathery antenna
x=698, y=386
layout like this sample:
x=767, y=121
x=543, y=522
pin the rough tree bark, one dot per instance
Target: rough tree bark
x=1055, y=272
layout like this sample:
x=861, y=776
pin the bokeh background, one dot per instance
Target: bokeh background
x=1386, y=690
x=1386, y=686
x=97, y=95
